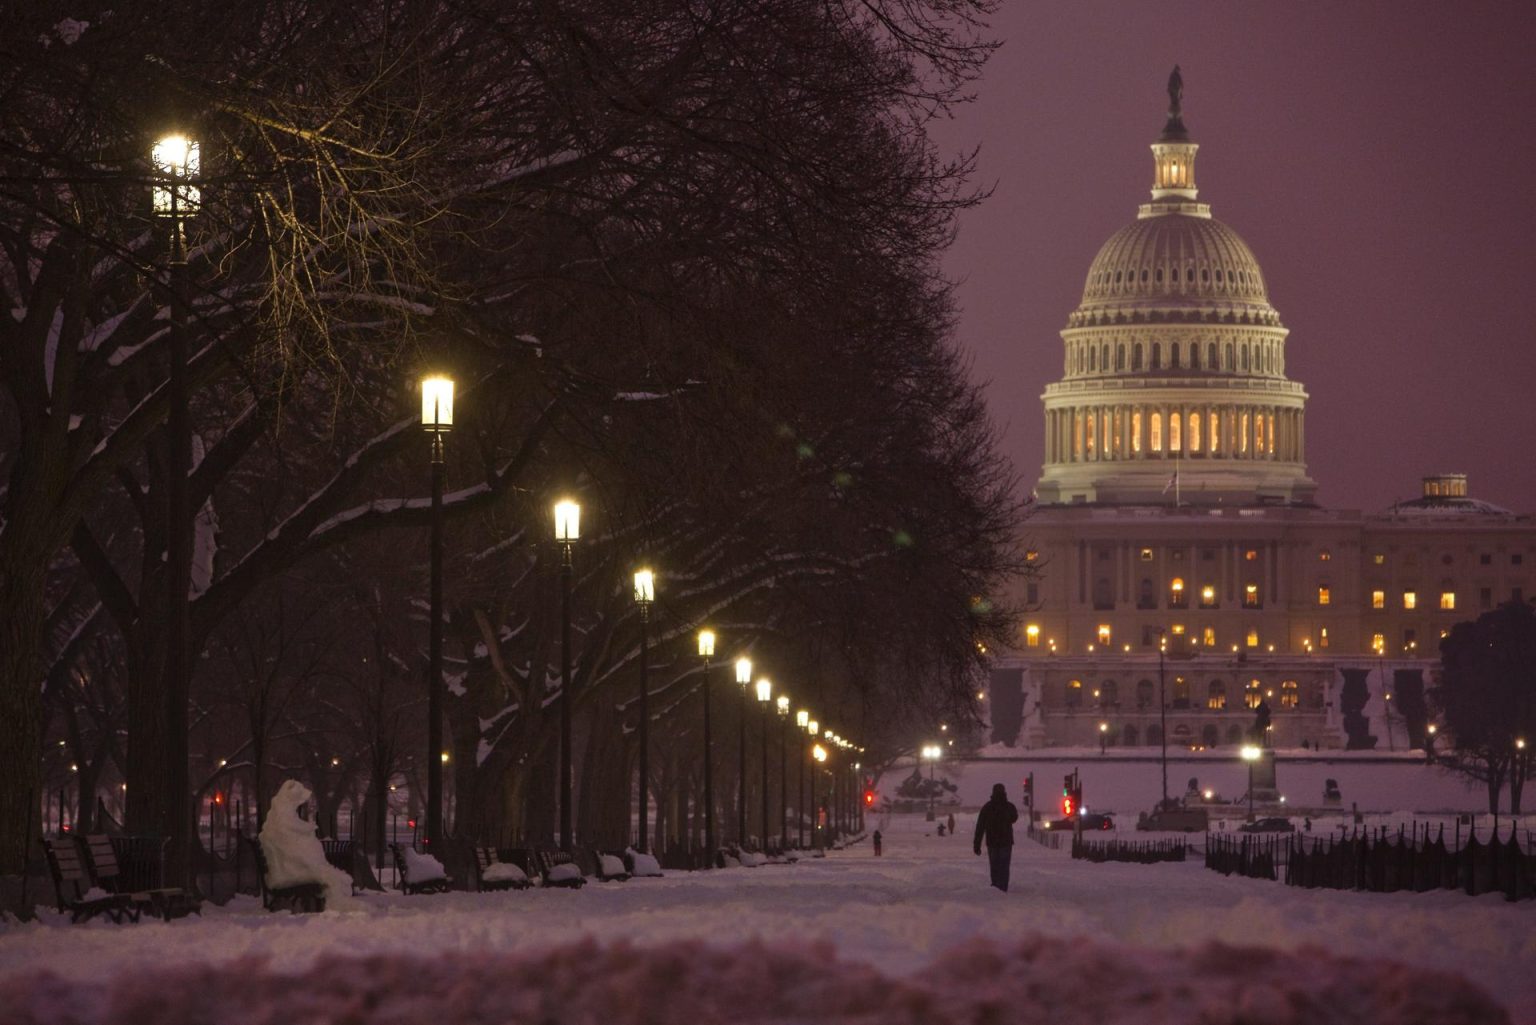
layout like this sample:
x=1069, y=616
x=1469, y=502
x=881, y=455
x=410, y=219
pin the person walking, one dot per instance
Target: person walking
x=951, y=823
x=995, y=823
x=877, y=839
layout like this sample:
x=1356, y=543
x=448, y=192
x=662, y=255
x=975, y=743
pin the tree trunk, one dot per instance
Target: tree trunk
x=21, y=754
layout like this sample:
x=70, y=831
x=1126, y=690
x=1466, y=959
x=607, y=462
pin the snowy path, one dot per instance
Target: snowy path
x=895, y=913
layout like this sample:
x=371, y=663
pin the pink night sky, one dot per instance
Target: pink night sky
x=1380, y=160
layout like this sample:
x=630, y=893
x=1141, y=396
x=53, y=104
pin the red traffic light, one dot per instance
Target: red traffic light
x=869, y=798
x=1067, y=806
x=218, y=797
x=411, y=823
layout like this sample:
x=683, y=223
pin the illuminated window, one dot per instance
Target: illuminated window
x=1324, y=594
x=1207, y=597
x=1157, y=430
x=1448, y=600
x=1322, y=638
x=1136, y=431
x=1031, y=555
x=1177, y=629
x=1243, y=430
x=1253, y=638
x=1216, y=695
x=1410, y=600
x=1379, y=559
x=1215, y=421
x=1324, y=556
x=1253, y=694
x=1103, y=633
x=1258, y=433
x=1176, y=597
x=1146, y=555
x=1290, y=694
x=1092, y=434
x=1250, y=596
x=1032, y=635
x=1174, y=439
x=1209, y=639
x=1074, y=693
x=1194, y=432
x=1379, y=643
x=1251, y=555
x=1378, y=599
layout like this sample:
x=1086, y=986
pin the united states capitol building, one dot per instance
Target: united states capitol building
x=1184, y=572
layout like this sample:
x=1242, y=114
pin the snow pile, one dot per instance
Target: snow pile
x=1039, y=981
x=645, y=864
x=503, y=872
x=293, y=852
x=565, y=873
x=612, y=865
x=421, y=868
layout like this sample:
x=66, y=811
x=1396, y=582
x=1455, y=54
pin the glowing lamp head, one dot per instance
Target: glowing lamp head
x=175, y=160
x=1103, y=727
x=437, y=403
x=645, y=587
x=707, y=643
x=783, y=704
x=813, y=727
x=764, y=689
x=567, y=521
x=1250, y=753
x=819, y=752
x=802, y=718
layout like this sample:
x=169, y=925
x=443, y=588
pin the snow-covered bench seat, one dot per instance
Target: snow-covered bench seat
x=558, y=868
x=496, y=874
x=419, y=873
x=641, y=864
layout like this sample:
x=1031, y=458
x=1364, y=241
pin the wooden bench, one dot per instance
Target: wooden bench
x=616, y=871
x=298, y=897
x=342, y=854
x=72, y=883
x=409, y=886
x=551, y=858
x=488, y=861
x=165, y=902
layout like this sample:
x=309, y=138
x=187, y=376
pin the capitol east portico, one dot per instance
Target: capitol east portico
x=1183, y=569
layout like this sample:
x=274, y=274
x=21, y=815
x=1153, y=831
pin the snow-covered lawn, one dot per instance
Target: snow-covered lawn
x=897, y=914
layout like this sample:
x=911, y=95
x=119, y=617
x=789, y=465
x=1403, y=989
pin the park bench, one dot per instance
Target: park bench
x=639, y=864
x=416, y=873
x=72, y=883
x=297, y=897
x=496, y=874
x=342, y=854
x=558, y=868
x=166, y=902
x=607, y=866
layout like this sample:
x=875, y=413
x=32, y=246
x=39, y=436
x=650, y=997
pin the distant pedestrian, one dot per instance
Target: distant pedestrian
x=877, y=838
x=994, y=823
x=951, y=823
x=941, y=829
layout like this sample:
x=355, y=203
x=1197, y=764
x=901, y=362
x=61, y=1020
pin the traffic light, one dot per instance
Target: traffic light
x=869, y=798
x=1029, y=790
x=1068, y=804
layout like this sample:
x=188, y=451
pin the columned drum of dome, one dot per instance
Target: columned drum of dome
x=1174, y=386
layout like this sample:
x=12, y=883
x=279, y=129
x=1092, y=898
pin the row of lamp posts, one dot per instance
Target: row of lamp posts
x=175, y=196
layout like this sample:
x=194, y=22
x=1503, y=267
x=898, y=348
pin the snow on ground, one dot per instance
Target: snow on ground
x=897, y=914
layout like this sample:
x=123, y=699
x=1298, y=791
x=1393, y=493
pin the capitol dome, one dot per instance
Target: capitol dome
x=1174, y=389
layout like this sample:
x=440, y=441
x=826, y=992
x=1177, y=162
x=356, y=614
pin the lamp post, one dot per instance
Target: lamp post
x=645, y=593
x=802, y=720
x=437, y=419
x=706, y=652
x=931, y=753
x=782, y=704
x=832, y=823
x=1162, y=711
x=1103, y=738
x=1251, y=753
x=819, y=754
x=764, y=701
x=743, y=679
x=567, y=532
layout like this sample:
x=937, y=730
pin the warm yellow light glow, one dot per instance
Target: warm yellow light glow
x=645, y=586
x=445, y=757
x=707, y=643
x=1103, y=727
x=437, y=403
x=743, y=671
x=1208, y=594
x=819, y=752
x=813, y=728
x=1208, y=794
x=1250, y=753
x=1410, y=600
x=1378, y=599
x=802, y=718
x=1032, y=635
x=764, y=689
x=567, y=521
x=1103, y=633
x=783, y=704
x=1433, y=729
x=175, y=159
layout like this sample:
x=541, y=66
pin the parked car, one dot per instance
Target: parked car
x=1091, y=821
x=1269, y=825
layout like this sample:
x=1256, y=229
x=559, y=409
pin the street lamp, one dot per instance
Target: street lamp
x=931, y=754
x=567, y=533
x=764, y=699
x=1103, y=738
x=802, y=720
x=645, y=594
x=1251, y=753
x=707, y=652
x=783, y=706
x=819, y=753
x=437, y=420
x=744, y=679
x=175, y=163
